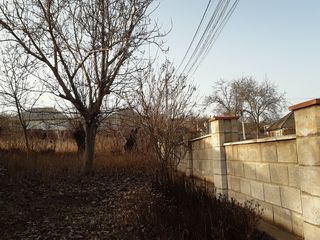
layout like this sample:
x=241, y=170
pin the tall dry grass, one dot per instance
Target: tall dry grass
x=51, y=159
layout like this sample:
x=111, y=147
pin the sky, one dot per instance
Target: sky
x=274, y=39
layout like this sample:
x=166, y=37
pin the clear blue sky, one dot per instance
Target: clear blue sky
x=279, y=39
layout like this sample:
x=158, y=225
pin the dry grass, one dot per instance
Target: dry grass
x=167, y=208
x=59, y=159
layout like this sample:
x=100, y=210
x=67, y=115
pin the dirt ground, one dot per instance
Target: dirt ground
x=95, y=207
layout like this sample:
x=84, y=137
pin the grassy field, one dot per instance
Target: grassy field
x=128, y=196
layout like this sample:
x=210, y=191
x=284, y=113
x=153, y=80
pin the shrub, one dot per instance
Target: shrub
x=183, y=210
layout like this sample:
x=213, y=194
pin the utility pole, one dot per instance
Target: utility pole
x=243, y=128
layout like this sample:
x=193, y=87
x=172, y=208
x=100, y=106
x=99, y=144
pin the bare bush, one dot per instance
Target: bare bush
x=164, y=103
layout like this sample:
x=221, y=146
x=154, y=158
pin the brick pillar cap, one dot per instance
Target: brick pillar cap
x=309, y=103
x=223, y=118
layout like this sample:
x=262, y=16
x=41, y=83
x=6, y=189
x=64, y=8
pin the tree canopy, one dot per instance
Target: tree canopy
x=89, y=49
x=256, y=101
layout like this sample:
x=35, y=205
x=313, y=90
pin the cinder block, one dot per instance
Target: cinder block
x=279, y=174
x=297, y=224
x=287, y=151
x=243, y=152
x=210, y=153
x=263, y=172
x=294, y=177
x=210, y=178
x=235, y=152
x=202, y=144
x=235, y=137
x=291, y=198
x=219, y=167
x=218, y=153
x=230, y=169
x=309, y=150
x=245, y=186
x=254, y=153
x=311, y=209
x=228, y=137
x=235, y=126
x=231, y=194
x=217, y=139
x=269, y=152
x=272, y=194
x=241, y=198
x=221, y=192
x=249, y=170
x=207, y=141
x=311, y=232
x=208, y=166
x=227, y=126
x=267, y=210
x=235, y=184
x=204, y=154
x=229, y=153
x=238, y=168
x=196, y=154
x=195, y=145
x=282, y=217
x=201, y=165
x=220, y=181
x=307, y=121
x=257, y=190
x=216, y=126
x=310, y=179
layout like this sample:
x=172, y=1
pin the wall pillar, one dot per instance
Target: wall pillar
x=307, y=120
x=223, y=129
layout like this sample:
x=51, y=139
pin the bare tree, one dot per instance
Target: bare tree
x=226, y=97
x=17, y=89
x=164, y=103
x=89, y=49
x=263, y=101
x=258, y=102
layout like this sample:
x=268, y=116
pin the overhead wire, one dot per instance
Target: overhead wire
x=196, y=33
x=219, y=18
x=203, y=36
x=217, y=33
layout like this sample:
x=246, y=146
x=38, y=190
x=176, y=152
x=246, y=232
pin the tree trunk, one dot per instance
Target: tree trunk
x=90, y=140
x=258, y=129
x=26, y=139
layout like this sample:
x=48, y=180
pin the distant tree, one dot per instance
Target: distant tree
x=226, y=97
x=89, y=49
x=164, y=103
x=263, y=101
x=253, y=100
x=17, y=90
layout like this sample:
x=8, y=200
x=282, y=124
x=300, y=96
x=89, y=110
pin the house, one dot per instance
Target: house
x=46, y=118
x=283, y=126
x=47, y=122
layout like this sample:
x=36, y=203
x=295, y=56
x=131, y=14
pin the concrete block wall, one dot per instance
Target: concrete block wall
x=307, y=120
x=206, y=158
x=282, y=174
x=267, y=171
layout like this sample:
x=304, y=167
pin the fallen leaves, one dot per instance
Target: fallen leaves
x=95, y=207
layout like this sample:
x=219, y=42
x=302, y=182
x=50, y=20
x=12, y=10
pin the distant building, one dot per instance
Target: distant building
x=283, y=126
x=46, y=118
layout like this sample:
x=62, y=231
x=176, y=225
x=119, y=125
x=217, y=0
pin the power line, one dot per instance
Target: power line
x=196, y=33
x=217, y=33
x=219, y=11
x=220, y=16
